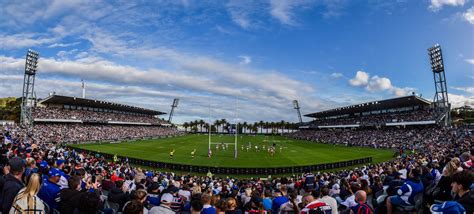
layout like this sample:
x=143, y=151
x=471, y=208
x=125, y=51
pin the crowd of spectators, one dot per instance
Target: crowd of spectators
x=69, y=114
x=78, y=132
x=41, y=176
x=384, y=137
x=377, y=119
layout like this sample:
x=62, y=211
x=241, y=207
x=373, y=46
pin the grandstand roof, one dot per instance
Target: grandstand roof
x=65, y=100
x=398, y=102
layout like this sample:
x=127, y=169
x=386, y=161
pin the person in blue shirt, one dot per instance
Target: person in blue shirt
x=278, y=201
x=50, y=189
x=407, y=192
x=267, y=200
x=207, y=207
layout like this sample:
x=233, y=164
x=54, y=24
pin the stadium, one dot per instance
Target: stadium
x=78, y=154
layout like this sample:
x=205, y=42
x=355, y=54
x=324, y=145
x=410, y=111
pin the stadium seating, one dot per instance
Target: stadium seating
x=427, y=149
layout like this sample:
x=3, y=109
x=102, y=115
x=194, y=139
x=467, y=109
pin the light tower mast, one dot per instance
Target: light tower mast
x=440, y=99
x=297, y=107
x=28, y=95
x=173, y=106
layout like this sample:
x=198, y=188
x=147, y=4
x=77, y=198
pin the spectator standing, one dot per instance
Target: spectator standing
x=461, y=184
x=13, y=183
x=207, y=207
x=49, y=192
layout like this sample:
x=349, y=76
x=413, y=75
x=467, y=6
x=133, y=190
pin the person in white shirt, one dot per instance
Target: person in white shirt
x=329, y=200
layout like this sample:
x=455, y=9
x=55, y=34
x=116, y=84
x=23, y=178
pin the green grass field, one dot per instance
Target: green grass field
x=294, y=152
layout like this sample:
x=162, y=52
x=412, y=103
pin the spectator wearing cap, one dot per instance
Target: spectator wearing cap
x=154, y=194
x=461, y=184
x=407, y=192
x=207, y=207
x=164, y=208
x=278, y=200
x=49, y=192
x=64, y=177
x=13, y=183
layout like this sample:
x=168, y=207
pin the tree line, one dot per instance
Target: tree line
x=223, y=126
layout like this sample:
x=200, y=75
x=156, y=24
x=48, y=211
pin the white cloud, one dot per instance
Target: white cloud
x=245, y=60
x=470, y=61
x=244, y=13
x=336, y=75
x=469, y=16
x=438, y=4
x=361, y=79
x=23, y=40
x=63, y=45
x=465, y=89
x=283, y=10
x=378, y=84
x=460, y=100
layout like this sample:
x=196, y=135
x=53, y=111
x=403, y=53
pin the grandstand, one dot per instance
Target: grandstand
x=72, y=120
x=401, y=111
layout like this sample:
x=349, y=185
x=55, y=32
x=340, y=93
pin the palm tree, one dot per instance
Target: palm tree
x=223, y=123
x=261, y=124
x=185, y=125
x=217, y=123
x=244, y=127
x=201, y=123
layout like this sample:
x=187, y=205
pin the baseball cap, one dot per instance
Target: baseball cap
x=448, y=207
x=59, y=162
x=16, y=164
x=43, y=164
x=54, y=172
x=167, y=198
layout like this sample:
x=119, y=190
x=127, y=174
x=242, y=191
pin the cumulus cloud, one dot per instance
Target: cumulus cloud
x=378, y=84
x=469, y=16
x=361, y=79
x=438, y=4
x=460, y=100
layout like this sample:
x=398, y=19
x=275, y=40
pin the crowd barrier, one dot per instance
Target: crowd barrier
x=233, y=170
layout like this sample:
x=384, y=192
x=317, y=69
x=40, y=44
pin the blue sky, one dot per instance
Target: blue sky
x=246, y=60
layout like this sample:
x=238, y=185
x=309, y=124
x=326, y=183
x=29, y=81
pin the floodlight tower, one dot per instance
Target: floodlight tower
x=440, y=99
x=173, y=106
x=297, y=107
x=28, y=95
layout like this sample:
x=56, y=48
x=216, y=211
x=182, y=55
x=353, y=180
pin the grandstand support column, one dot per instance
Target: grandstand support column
x=28, y=95
x=440, y=99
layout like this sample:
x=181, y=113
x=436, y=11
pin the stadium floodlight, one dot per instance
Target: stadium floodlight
x=441, y=96
x=28, y=95
x=297, y=107
x=173, y=106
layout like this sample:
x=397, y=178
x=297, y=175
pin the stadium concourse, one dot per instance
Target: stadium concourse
x=432, y=169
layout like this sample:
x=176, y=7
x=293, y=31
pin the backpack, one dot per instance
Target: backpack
x=362, y=208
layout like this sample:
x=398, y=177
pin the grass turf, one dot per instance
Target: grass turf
x=294, y=152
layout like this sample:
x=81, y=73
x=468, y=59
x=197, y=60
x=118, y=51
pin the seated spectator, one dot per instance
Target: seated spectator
x=197, y=207
x=232, y=207
x=461, y=184
x=134, y=207
x=88, y=203
x=119, y=194
x=362, y=207
x=27, y=200
x=207, y=207
x=406, y=193
x=314, y=205
x=329, y=200
x=221, y=206
x=69, y=197
x=164, y=208
x=139, y=196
